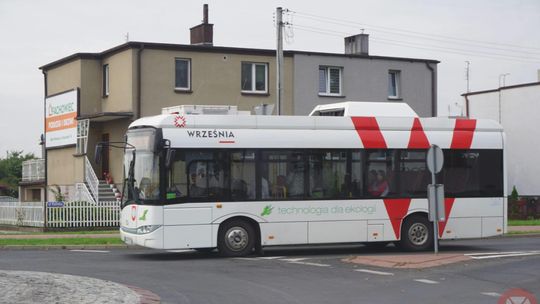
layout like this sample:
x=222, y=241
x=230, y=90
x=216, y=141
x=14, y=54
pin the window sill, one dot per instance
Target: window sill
x=331, y=95
x=183, y=91
x=395, y=98
x=105, y=96
x=79, y=154
x=253, y=93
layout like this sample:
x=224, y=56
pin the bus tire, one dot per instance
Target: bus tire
x=416, y=233
x=236, y=238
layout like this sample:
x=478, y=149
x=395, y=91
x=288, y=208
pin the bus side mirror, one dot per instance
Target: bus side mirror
x=169, y=158
x=97, y=154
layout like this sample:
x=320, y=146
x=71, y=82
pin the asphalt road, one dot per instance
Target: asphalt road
x=299, y=275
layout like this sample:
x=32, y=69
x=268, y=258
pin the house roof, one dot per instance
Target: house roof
x=212, y=49
x=502, y=88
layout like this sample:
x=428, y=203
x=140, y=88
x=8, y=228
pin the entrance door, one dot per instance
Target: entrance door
x=104, y=155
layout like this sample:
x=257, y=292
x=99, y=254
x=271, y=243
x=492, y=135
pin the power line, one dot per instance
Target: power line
x=421, y=46
x=515, y=48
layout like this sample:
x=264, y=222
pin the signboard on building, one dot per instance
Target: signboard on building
x=61, y=119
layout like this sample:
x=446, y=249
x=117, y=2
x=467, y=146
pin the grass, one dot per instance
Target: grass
x=59, y=232
x=522, y=232
x=61, y=242
x=524, y=222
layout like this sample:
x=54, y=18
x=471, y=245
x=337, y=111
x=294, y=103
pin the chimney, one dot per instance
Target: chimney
x=357, y=45
x=203, y=33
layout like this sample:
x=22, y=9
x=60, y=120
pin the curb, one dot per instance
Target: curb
x=147, y=297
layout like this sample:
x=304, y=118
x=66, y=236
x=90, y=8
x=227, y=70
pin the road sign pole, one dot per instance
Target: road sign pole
x=436, y=220
x=434, y=161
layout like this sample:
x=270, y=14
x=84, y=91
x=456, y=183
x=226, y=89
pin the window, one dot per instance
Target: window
x=106, y=80
x=328, y=174
x=243, y=175
x=182, y=72
x=393, y=84
x=380, y=170
x=82, y=135
x=413, y=174
x=283, y=172
x=254, y=77
x=330, y=81
x=293, y=174
x=473, y=173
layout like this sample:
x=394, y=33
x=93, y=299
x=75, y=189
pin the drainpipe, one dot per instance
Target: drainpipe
x=433, y=90
x=139, y=76
x=45, y=92
x=467, y=106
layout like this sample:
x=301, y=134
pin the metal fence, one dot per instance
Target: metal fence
x=60, y=214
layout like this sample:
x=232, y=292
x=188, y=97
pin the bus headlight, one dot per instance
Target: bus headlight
x=147, y=229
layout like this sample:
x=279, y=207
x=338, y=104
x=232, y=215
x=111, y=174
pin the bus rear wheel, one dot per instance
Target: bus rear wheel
x=236, y=238
x=416, y=233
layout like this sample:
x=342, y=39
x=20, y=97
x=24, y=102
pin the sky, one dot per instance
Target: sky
x=496, y=37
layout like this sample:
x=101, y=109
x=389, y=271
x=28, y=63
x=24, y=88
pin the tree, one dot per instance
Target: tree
x=11, y=171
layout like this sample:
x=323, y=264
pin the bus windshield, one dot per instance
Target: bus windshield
x=141, y=168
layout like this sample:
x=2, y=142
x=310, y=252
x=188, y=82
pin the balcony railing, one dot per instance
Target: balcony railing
x=33, y=170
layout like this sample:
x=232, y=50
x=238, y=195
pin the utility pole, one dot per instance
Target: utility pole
x=467, y=74
x=279, y=59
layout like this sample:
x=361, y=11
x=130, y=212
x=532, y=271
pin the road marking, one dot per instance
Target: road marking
x=309, y=264
x=426, y=281
x=271, y=258
x=90, y=251
x=247, y=259
x=375, y=272
x=293, y=260
x=491, y=294
x=494, y=255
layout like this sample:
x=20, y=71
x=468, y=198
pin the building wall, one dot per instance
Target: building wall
x=90, y=87
x=121, y=70
x=215, y=79
x=520, y=109
x=363, y=79
x=64, y=169
x=64, y=77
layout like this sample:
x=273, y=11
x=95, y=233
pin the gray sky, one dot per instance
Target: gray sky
x=33, y=33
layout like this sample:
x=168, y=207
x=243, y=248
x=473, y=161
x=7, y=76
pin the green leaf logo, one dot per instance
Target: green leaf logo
x=267, y=210
x=143, y=216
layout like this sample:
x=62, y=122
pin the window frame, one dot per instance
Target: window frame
x=327, y=92
x=397, y=79
x=254, y=77
x=188, y=76
x=106, y=80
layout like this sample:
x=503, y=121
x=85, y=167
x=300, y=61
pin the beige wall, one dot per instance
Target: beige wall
x=63, y=168
x=121, y=83
x=64, y=77
x=90, y=87
x=215, y=79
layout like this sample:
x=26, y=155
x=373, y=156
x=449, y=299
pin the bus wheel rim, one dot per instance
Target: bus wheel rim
x=236, y=238
x=418, y=234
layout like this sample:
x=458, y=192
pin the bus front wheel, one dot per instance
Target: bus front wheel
x=236, y=238
x=416, y=233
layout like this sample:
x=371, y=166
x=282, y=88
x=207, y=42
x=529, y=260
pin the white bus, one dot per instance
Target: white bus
x=240, y=182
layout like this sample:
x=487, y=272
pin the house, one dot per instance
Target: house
x=517, y=109
x=93, y=97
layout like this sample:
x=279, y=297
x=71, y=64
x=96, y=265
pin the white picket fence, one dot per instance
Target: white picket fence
x=22, y=214
x=60, y=214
